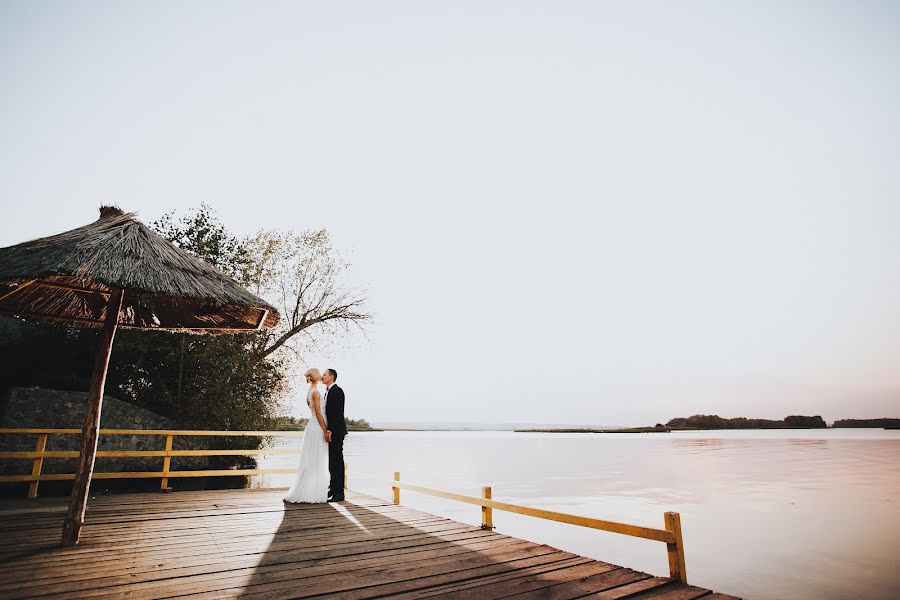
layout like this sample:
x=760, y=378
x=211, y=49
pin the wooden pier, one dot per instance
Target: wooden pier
x=248, y=543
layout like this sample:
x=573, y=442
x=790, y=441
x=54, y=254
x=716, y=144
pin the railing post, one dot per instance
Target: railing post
x=346, y=474
x=677, y=568
x=487, y=513
x=395, y=489
x=37, y=465
x=167, y=461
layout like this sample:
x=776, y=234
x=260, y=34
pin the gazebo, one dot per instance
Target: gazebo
x=115, y=272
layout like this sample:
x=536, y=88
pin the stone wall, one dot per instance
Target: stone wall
x=32, y=408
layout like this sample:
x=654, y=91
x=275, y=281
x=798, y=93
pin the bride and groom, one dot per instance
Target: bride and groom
x=321, y=474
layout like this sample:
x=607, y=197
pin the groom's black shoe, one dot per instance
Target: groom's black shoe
x=336, y=499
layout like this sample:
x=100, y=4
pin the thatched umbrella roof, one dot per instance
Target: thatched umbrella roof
x=117, y=273
x=68, y=277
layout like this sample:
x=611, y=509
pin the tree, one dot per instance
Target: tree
x=208, y=382
x=237, y=381
x=302, y=275
x=202, y=234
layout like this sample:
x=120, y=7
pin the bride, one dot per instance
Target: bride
x=313, y=478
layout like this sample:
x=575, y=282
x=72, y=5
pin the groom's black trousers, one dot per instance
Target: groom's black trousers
x=336, y=466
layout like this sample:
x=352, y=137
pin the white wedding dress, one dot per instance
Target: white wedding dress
x=313, y=477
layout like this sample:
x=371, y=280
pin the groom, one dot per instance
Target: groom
x=334, y=415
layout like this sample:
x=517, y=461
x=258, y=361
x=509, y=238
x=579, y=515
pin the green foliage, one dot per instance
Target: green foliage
x=357, y=423
x=202, y=234
x=294, y=424
x=284, y=423
x=717, y=422
x=201, y=381
x=804, y=422
x=883, y=422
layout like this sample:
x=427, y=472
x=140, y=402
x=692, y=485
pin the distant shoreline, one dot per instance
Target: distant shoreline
x=580, y=430
x=662, y=429
x=671, y=429
x=302, y=427
x=535, y=429
x=693, y=423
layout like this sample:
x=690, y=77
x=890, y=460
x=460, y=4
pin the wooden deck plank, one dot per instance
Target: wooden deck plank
x=392, y=583
x=266, y=552
x=192, y=530
x=248, y=543
x=269, y=551
x=95, y=538
x=261, y=557
x=676, y=591
x=565, y=586
x=528, y=584
x=50, y=554
x=633, y=590
x=250, y=566
x=287, y=528
x=451, y=588
x=306, y=582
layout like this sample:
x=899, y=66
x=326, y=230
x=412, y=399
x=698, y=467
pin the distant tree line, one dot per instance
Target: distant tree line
x=717, y=422
x=299, y=424
x=892, y=423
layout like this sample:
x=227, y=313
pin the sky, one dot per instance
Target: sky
x=597, y=213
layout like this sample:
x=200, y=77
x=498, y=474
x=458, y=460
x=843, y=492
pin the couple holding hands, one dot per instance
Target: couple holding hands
x=321, y=473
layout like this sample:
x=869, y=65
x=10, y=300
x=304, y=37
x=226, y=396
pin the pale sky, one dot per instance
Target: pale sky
x=565, y=212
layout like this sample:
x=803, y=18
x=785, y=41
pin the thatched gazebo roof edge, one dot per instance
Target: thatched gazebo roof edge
x=71, y=275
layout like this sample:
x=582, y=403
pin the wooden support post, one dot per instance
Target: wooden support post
x=167, y=461
x=487, y=513
x=90, y=432
x=37, y=465
x=396, y=490
x=677, y=568
x=346, y=474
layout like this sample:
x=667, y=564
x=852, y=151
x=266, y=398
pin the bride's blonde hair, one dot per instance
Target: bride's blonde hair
x=312, y=374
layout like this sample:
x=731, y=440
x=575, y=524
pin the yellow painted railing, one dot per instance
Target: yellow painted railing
x=40, y=453
x=671, y=535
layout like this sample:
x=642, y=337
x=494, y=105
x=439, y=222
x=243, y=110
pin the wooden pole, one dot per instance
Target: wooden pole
x=395, y=489
x=487, y=513
x=167, y=462
x=37, y=465
x=677, y=569
x=90, y=430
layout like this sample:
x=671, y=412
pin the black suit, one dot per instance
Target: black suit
x=334, y=416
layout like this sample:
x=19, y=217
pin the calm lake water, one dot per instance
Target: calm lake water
x=766, y=514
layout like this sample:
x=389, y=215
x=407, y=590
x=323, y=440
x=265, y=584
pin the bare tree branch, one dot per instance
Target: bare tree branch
x=307, y=276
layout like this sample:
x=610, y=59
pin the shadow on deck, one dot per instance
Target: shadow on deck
x=248, y=543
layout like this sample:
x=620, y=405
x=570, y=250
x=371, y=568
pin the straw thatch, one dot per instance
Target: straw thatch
x=68, y=277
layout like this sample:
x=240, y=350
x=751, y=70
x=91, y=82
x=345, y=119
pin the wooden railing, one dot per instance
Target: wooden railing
x=167, y=453
x=671, y=535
